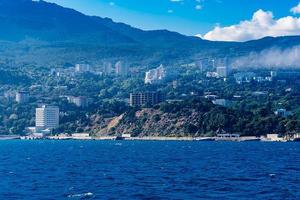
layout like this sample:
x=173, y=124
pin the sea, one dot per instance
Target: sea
x=58, y=170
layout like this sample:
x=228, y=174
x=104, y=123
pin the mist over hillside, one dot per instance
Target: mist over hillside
x=275, y=57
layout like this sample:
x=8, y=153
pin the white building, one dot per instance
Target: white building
x=80, y=101
x=47, y=117
x=274, y=138
x=82, y=68
x=22, y=97
x=155, y=76
x=121, y=69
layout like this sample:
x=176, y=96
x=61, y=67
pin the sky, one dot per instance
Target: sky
x=218, y=20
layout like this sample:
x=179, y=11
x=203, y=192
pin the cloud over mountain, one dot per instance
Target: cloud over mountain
x=296, y=9
x=261, y=25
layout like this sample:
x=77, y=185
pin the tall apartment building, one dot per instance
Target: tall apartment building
x=146, y=98
x=47, y=117
x=223, y=68
x=82, y=68
x=107, y=68
x=22, y=97
x=121, y=68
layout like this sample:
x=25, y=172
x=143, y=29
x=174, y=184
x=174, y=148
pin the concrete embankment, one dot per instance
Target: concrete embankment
x=148, y=138
x=9, y=137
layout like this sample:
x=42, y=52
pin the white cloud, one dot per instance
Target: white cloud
x=296, y=9
x=261, y=25
x=198, y=7
x=175, y=1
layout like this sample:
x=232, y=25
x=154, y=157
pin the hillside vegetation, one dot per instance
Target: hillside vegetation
x=198, y=118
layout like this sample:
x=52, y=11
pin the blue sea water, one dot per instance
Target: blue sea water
x=57, y=170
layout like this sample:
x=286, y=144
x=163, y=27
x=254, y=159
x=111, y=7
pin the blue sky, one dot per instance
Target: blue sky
x=189, y=17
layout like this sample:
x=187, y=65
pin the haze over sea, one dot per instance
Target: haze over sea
x=148, y=170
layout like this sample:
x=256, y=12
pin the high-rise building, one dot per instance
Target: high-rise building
x=107, y=68
x=82, y=68
x=47, y=117
x=146, y=98
x=22, y=97
x=223, y=68
x=121, y=68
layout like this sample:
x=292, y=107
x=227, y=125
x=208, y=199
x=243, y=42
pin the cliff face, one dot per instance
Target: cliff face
x=151, y=122
x=176, y=119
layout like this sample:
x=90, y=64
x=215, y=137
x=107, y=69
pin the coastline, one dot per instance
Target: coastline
x=148, y=138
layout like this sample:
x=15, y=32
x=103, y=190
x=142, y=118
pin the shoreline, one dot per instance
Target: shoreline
x=148, y=138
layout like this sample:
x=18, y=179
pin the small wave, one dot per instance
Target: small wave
x=272, y=175
x=83, y=195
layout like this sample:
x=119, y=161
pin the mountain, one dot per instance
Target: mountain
x=26, y=19
x=42, y=32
